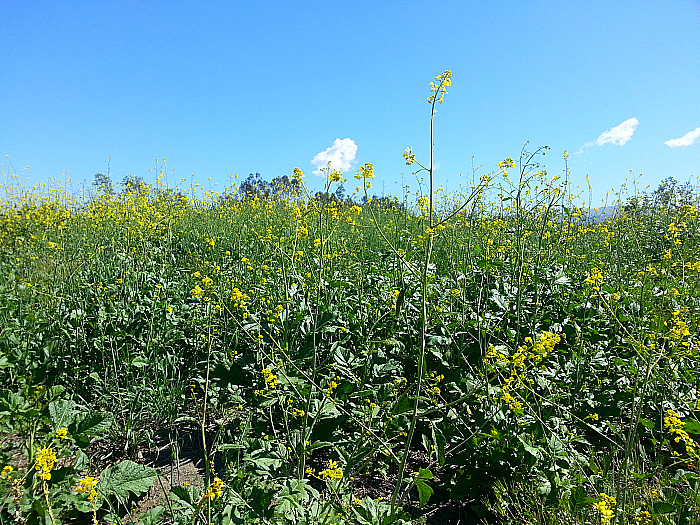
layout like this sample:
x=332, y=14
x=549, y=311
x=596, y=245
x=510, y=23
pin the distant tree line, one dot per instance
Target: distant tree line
x=670, y=194
x=253, y=187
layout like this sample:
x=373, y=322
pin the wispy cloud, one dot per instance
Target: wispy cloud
x=340, y=155
x=619, y=135
x=685, y=140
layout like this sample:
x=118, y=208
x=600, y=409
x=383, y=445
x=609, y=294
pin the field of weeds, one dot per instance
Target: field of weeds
x=500, y=354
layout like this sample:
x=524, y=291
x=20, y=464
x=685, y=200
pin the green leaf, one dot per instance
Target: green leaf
x=140, y=362
x=153, y=516
x=661, y=507
x=55, y=391
x=534, y=451
x=691, y=426
x=424, y=473
x=183, y=495
x=647, y=423
x=93, y=424
x=62, y=413
x=402, y=405
x=126, y=477
x=424, y=491
x=318, y=444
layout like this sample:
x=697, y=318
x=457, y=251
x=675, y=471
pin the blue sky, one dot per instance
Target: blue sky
x=225, y=88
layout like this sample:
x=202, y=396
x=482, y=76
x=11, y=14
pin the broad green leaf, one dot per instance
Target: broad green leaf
x=126, y=477
x=153, y=516
x=424, y=473
x=140, y=362
x=424, y=492
x=62, y=413
x=184, y=495
x=55, y=391
x=94, y=424
x=691, y=426
x=402, y=405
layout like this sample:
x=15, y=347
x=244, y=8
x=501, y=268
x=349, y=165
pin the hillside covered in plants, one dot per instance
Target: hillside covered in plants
x=501, y=350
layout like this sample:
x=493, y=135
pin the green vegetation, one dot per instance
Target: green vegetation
x=346, y=363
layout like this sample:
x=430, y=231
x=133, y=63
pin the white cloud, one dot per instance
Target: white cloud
x=685, y=140
x=619, y=135
x=340, y=155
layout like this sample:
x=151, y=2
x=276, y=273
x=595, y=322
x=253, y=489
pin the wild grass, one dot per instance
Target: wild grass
x=503, y=346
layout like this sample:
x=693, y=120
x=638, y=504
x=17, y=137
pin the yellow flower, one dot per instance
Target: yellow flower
x=214, y=490
x=45, y=461
x=61, y=433
x=6, y=470
x=409, y=156
x=507, y=163
x=302, y=232
x=270, y=378
x=366, y=172
x=606, y=506
x=444, y=80
x=87, y=485
x=332, y=472
x=675, y=426
x=595, y=278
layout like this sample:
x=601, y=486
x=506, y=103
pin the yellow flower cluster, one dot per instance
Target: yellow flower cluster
x=335, y=176
x=507, y=163
x=214, y=490
x=513, y=403
x=398, y=383
x=87, y=485
x=366, y=172
x=238, y=298
x=444, y=80
x=679, y=330
x=674, y=232
x=595, y=278
x=644, y=517
x=394, y=296
x=432, y=389
x=302, y=232
x=45, y=461
x=333, y=471
x=606, y=506
x=270, y=378
x=61, y=433
x=675, y=426
x=533, y=351
x=693, y=266
x=332, y=386
x=409, y=156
